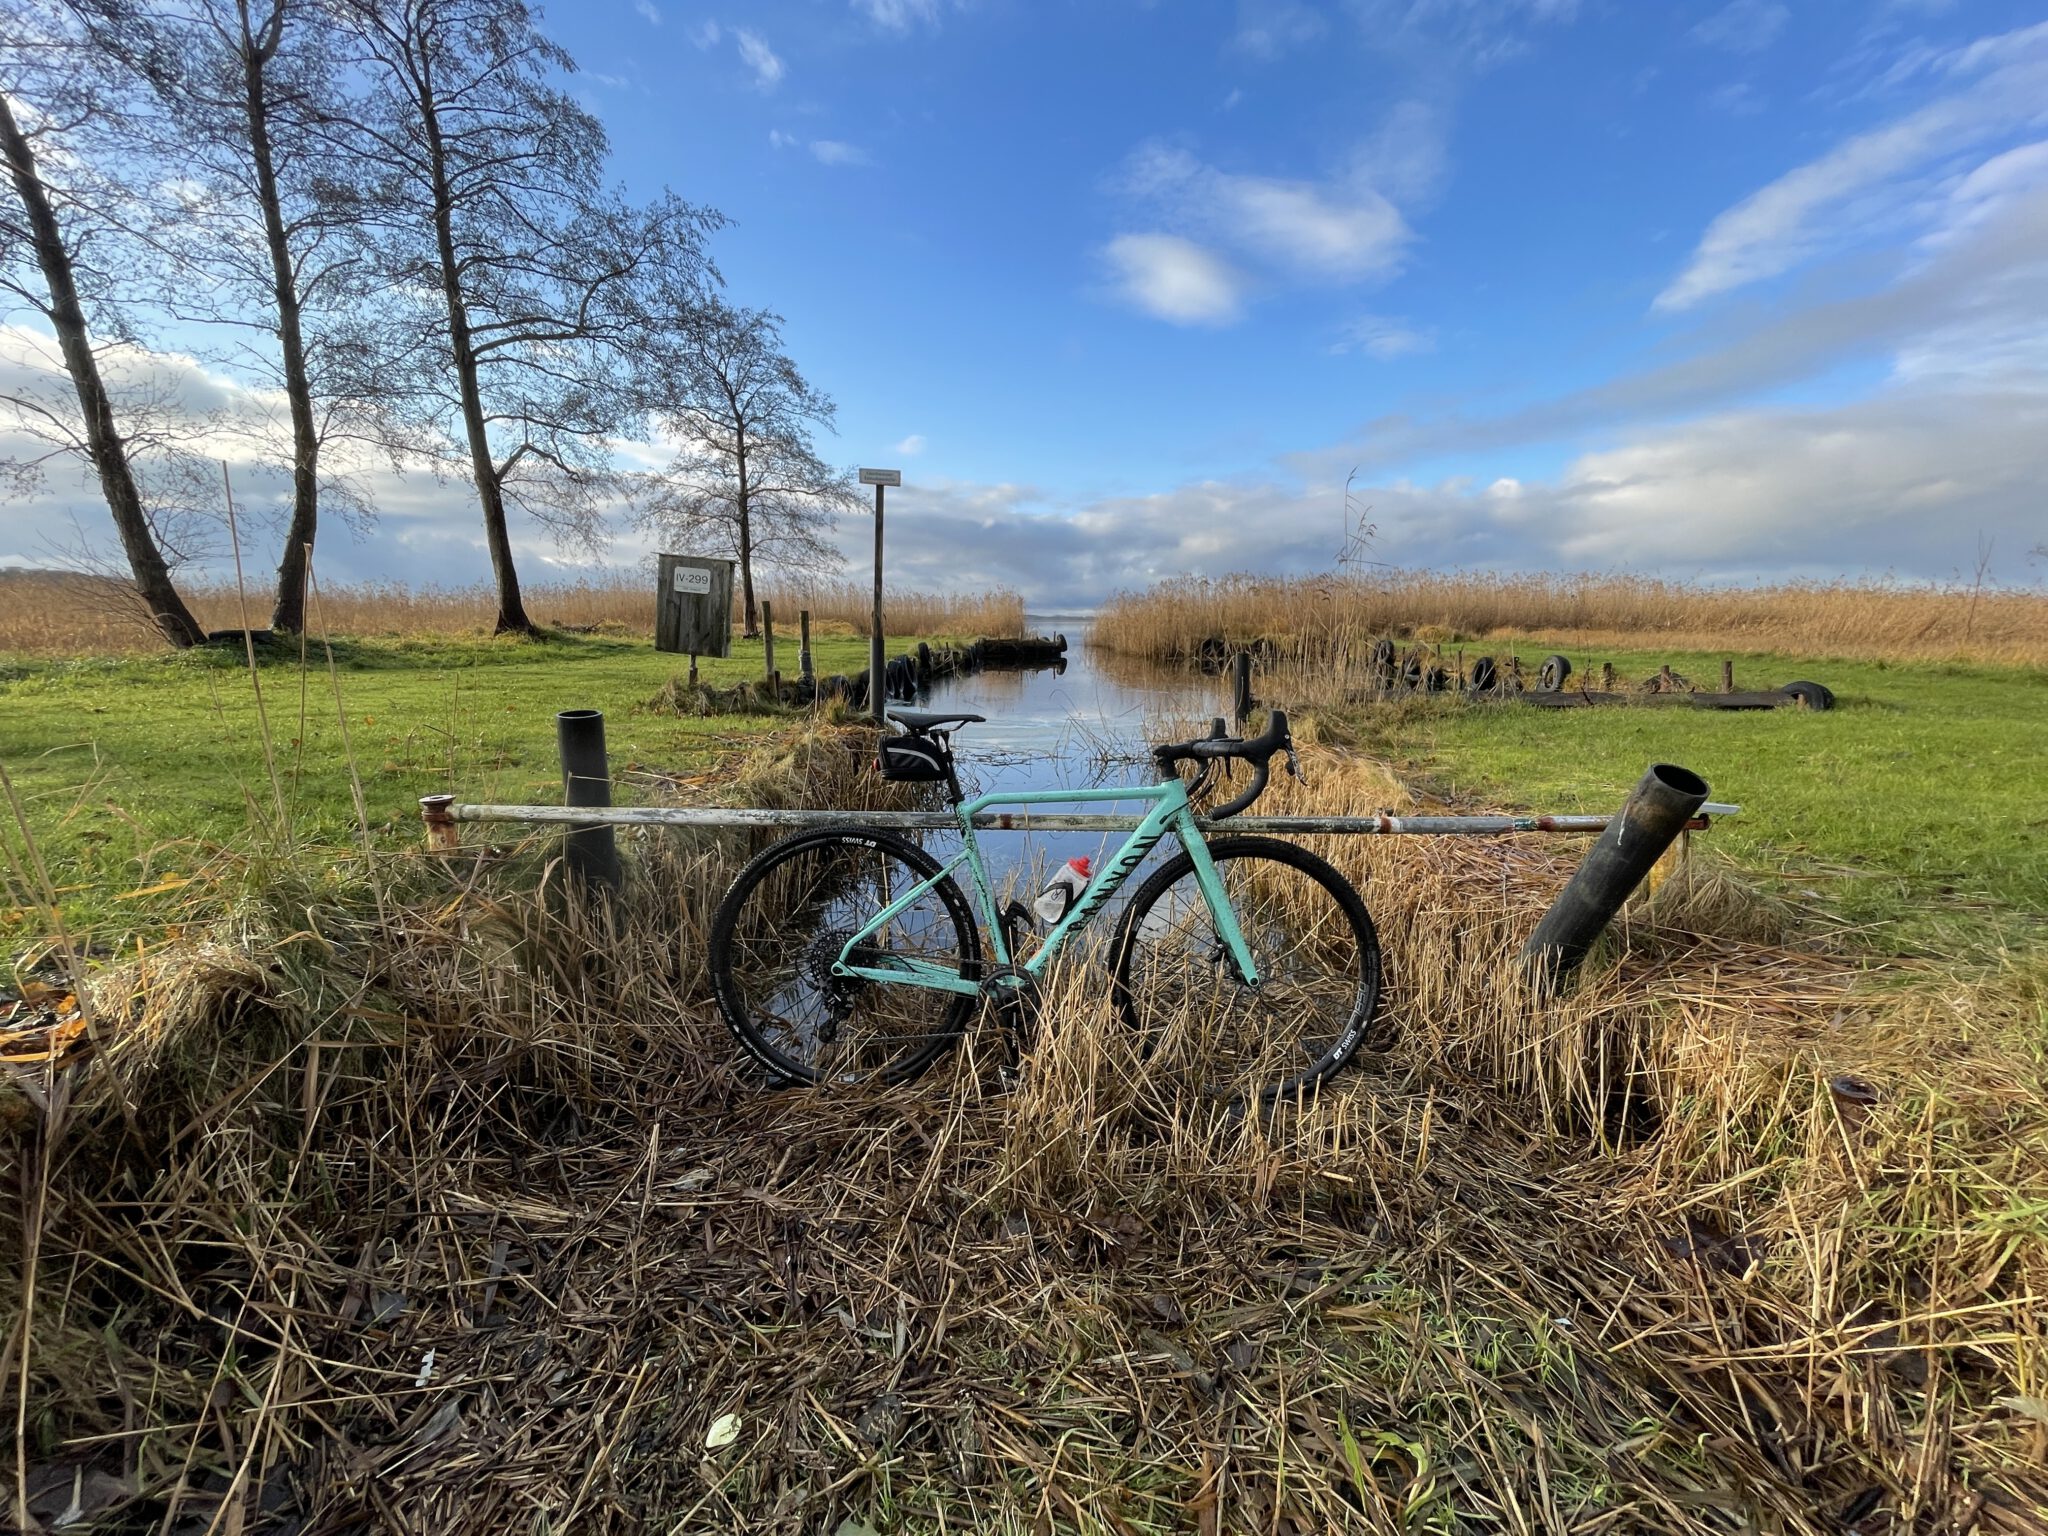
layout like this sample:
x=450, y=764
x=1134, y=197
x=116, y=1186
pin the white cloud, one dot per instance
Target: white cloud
x=1877, y=180
x=1479, y=34
x=1899, y=486
x=824, y=151
x=759, y=57
x=1738, y=98
x=1384, y=338
x=706, y=34
x=1903, y=482
x=1267, y=29
x=1743, y=26
x=1230, y=102
x=1341, y=231
x=1174, y=279
x=900, y=15
x=911, y=446
x=1405, y=159
x=649, y=11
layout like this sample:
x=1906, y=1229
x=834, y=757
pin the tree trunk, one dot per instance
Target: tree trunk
x=512, y=617
x=750, y=624
x=288, y=613
x=104, y=447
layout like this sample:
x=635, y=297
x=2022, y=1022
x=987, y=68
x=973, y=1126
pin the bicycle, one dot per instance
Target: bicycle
x=841, y=955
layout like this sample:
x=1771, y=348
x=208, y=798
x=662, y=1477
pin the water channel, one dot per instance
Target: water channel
x=1087, y=724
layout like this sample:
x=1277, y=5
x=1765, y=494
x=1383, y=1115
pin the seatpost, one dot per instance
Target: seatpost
x=952, y=778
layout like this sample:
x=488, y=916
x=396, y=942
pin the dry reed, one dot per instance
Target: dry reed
x=1315, y=618
x=56, y=614
x=471, y=1220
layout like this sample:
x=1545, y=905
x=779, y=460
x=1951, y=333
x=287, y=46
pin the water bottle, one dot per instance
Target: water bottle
x=1059, y=897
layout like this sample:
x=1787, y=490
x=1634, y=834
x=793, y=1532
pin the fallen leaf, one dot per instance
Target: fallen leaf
x=724, y=1430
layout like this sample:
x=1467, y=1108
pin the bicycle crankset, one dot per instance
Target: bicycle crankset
x=1015, y=993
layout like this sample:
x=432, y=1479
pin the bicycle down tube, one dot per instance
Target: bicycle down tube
x=1171, y=813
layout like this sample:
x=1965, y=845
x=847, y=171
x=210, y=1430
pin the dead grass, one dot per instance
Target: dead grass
x=462, y=1217
x=52, y=614
x=1320, y=618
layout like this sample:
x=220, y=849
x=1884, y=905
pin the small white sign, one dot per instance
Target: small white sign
x=690, y=578
x=881, y=477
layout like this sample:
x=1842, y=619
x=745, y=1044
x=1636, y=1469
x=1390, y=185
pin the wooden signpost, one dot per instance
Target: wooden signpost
x=693, y=608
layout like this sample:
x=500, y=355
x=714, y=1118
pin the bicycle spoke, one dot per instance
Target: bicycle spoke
x=1316, y=959
x=785, y=928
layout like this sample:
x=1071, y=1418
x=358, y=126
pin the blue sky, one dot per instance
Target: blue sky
x=1128, y=289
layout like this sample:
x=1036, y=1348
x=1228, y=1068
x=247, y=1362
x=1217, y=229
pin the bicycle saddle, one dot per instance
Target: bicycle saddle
x=932, y=719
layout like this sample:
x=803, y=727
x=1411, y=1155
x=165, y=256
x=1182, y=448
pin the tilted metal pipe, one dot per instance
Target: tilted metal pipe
x=1657, y=810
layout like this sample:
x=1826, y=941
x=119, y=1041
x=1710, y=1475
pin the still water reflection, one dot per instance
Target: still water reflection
x=1088, y=724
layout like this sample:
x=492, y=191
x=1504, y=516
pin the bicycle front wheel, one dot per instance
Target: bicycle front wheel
x=1318, y=960
x=788, y=919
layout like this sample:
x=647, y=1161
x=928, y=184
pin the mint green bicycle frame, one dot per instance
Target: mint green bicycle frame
x=1170, y=813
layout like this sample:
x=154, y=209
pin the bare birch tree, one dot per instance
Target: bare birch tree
x=270, y=252
x=746, y=479
x=518, y=287
x=68, y=237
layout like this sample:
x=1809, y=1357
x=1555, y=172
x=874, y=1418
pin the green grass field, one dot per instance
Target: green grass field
x=133, y=771
x=1914, y=809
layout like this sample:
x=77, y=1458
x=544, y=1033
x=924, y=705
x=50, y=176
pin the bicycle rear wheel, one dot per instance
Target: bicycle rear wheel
x=788, y=918
x=1318, y=959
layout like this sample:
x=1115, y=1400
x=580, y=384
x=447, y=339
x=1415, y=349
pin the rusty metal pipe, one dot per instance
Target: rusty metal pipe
x=1024, y=820
x=443, y=835
x=1660, y=807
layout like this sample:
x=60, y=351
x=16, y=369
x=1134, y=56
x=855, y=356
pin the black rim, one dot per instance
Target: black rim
x=784, y=924
x=1319, y=963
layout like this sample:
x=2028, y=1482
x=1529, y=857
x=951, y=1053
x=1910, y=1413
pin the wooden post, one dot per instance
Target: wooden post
x=767, y=638
x=693, y=669
x=1241, y=687
x=1727, y=676
x=1607, y=677
x=803, y=645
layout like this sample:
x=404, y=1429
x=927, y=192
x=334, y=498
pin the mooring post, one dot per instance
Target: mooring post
x=1241, y=687
x=1727, y=675
x=589, y=850
x=803, y=646
x=1656, y=811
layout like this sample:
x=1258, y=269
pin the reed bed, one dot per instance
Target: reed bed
x=62, y=614
x=1316, y=618
x=419, y=1196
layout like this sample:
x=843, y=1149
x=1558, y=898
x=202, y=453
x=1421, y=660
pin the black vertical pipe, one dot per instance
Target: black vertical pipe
x=590, y=852
x=1655, y=813
x=1241, y=687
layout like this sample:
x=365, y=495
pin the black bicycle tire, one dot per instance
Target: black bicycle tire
x=732, y=1006
x=1354, y=1035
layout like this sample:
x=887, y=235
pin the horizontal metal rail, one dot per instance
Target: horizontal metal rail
x=442, y=811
